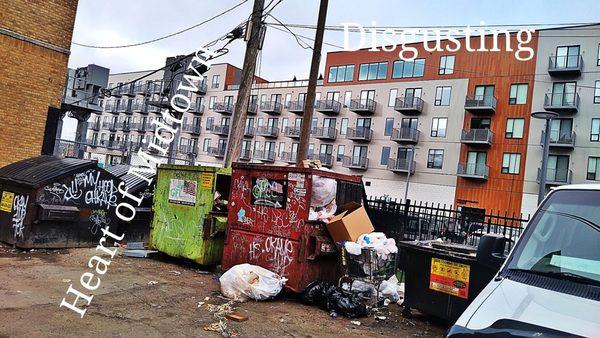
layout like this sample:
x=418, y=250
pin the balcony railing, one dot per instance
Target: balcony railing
x=565, y=65
x=325, y=159
x=201, y=88
x=271, y=107
x=220, y=130
x=409, y=105
x=188, y=149
x=405, y=135
x=296, y=107
x=484, y=104
x=265, y=156
x=267, y=131
x=139, y=127
x=123, y=106
x=558, y=176
x=401, y=165
x=138, y=106
x=560, y=139
x=91, y=142
x=249, y=131
x=476, y=136
x=252, y=108
x=325, y=133
x=94, y=125
x=473, y=170
x=140, y=88
x=225, y=108
x=289, y=157
x=197, y=108
x=218, y=152
x=356, y=162
x=110, y=125
x=126, y=89
x=192, y=128
x=125, y=126
x=292, y=132
x=328, y=106
x=562, y=102
x=363, y=106
x=155, y=87
x=245, y=155
x=359, y=134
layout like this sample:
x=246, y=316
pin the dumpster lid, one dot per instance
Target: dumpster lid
x=133, y=182
x=294, y=169
x=38, y=171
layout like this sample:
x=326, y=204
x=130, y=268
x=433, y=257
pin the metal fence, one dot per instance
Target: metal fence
x=406, y=221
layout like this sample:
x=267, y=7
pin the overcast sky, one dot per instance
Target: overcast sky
x=112, y=22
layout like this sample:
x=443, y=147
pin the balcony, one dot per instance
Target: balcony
x=91, y=142
x=330, y=107
x=359, y=134
x=188, y=149
x=473, y=170
x=197, y=109
x=401, y=165
x=267, y=131
x=296, y=107
x=126, y=89
x=155, y=87
x=265, y=156
x=224, y=108
x=567, y=103
x=559, y=176
x=139, y=107
x=481, y=104
x=355, y=162
x=325, y=133
x=201, y=88
x=125, y=126
x=566, y=65
x=405, y=135
x=94, y=125
x=363, y=106
x=152, y=108
x=192, y=128
x=252, y=108
x=123, y=106
x=220, y=130
x=409, y=105
x=560, y=140
x=245, y=155
x=292, y=132
x=218, y=152
x=135, y=146
x=114, y=144
x=139, y=127
x=140, y=88
x=249, y=131
x=112, y=126
x=289, y=157
x=111, y=107
x=271, y=107
x=325, y=159
x=476, y=137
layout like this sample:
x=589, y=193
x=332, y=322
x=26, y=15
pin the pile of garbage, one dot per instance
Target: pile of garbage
x=322, y=201
x=332, y=298
x=245, y=281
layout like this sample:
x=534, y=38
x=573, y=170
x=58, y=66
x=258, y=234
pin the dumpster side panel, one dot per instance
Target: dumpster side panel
x=17, y=212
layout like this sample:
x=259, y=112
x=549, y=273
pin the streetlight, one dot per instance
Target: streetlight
x=544, y=115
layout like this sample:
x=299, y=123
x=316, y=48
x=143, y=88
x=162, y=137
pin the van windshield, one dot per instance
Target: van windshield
x=564, y=238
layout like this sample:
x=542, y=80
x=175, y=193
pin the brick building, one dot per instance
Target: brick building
x=35, y=40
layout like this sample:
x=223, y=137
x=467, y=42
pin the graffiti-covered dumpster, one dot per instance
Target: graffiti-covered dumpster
x=190, y=212
x=51, y=202
x=269, y=226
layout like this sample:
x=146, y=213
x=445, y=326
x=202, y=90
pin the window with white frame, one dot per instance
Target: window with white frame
x=514, y=128
x=446, y=65
x=597, y=92
x=435, y=158
x=215, y=81
x=511, y=163
x=442, y=95
x=593, y=171
x=344, y=126
x=347, y=98
x=211, y=102
x=392, y=98
x=438, y=126
x=518, y=93
x=595, y=133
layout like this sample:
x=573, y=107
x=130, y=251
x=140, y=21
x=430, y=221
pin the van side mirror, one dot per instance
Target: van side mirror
x=490, y=251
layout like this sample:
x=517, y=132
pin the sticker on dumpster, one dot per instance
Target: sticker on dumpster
x=270, y=193
x=7, y=201
x=182, y=192
x=449, y=277
x=298, y=178
x=206, y=180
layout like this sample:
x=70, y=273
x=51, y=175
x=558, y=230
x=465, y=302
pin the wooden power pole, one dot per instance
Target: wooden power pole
x=236, y=134
x=312, y=86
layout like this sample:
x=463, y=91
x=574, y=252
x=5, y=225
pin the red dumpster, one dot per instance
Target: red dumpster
x=268, y=222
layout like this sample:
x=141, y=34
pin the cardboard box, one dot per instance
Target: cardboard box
x=348, y=225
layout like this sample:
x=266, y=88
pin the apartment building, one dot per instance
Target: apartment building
x=462, y=117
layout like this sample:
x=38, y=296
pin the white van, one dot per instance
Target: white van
x=549, y=284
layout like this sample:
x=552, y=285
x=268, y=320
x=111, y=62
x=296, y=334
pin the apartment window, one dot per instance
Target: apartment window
x=597, y=92
x=446, y=65
x=435, y=158
x=341, y=73
x=415, y=68
x=284, y=123
x=314, y=124
x=372, y=71
x=567, y=56
x=595, y=134
x=514, y=128
x=518, y=93
x=511, y=163
x=205, y=145
x=558, y=168
x=215, y=81
x=211, y=102
x=389, y=126
x=438, y=126
x=593, y=172
x=347, y=98
x=281, y=148
x=256, y=146
x=442, y=95
x=344, y=126
x=288, y=99
x=598, y=56
x=341, y=150
x=209, y=122
x=392, y=98
x=228, y=100
x=385, y=155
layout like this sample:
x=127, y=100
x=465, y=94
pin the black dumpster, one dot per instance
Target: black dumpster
x=51, y=202
x=138, y=230
x=442, y=279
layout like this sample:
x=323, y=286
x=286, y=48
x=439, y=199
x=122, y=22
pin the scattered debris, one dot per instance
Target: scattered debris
x=66, y=280
x=139, y=253
x=176, y=273
x=152, y=282
x=355, y=322
x=201, y=303
x=219, y=312
x=135, y=246
x=236, y=317
x=380, y=317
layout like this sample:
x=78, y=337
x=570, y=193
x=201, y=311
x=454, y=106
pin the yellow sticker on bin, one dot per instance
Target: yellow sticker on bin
x=449, y=277
x=7, y=201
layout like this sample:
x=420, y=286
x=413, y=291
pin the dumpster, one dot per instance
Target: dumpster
x=51, y=202
x=190, y=216
x=268, y=222
x=442, y=278
x=138, y=230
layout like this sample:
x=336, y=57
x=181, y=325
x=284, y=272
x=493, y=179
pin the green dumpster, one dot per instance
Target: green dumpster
x=190, y=216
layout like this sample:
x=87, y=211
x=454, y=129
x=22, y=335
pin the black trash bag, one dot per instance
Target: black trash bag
x=316, y=293
x=329, y=297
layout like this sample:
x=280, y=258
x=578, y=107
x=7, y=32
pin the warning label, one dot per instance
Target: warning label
x=7, y=201
x=449, y=277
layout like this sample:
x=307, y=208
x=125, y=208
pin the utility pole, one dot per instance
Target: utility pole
x=312, y=85
x=236, y=132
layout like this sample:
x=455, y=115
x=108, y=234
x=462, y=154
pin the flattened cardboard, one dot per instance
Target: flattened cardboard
x=348, y=225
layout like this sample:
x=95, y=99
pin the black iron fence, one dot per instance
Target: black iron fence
x=406, y=221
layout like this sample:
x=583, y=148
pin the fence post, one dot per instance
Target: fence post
x=404, y=220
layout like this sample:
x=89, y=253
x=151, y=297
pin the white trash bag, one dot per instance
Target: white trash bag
x=245, y=281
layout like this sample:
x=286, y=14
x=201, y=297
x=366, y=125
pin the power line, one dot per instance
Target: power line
x=165, y=36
